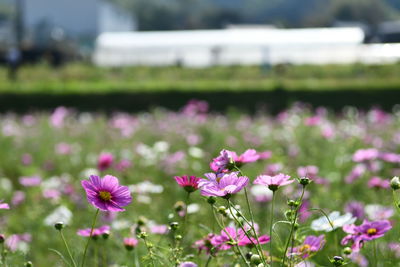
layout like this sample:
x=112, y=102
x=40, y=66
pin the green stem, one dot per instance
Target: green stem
x=230, y=205
x=375, y=254
x=270, y=227
x=135, y=252
x=186, y=213
x=292, y=228
x=67, y=247
x=90, y=237
x=395, y=201
x=251, y=218
x=222, y=226
x=149, y=251
x=208, y=260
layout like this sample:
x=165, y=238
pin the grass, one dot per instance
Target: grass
x=83, y=78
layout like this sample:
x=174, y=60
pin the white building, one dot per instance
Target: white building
x=202, y=48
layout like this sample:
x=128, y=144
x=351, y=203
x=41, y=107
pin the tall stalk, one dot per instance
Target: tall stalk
x=90, y=237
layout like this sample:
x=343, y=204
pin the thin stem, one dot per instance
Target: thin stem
x=241, y=226
x=251, y=218
x=149, y=251
x=3, y=255
x=270, y=227
x=208, y=261
x=67, y=247
x=222, y=226
x=90, y=237
x=395, y=201
x=375, y=254
x=292, y=228
x=135, y=252
x=186, y=213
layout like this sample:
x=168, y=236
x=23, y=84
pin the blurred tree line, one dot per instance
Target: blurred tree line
x=203, y=14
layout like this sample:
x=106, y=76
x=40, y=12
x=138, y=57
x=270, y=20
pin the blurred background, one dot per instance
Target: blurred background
x=135, y=54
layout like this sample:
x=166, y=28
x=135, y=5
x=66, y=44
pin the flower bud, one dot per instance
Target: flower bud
x=395, y=183
x=255, y=259
x=337, y=261
x=142, y=220
x=248, y=255
x=174, y=225
x=142, y=235
x=347, y=251
x=304, y=181
x=178, y=237
x=28, y=264
x=211, y=200
x=222, y=210
x=289, y=214
x=105, y=235
x=291, y=203
x=2, y=238
x=59, y=226
x=296, y=226
x=179, y=206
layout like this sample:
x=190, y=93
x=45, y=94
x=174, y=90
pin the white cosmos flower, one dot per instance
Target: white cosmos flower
x=60, y=214
x=377, y=212
x=337, y=220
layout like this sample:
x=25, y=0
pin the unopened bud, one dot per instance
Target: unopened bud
x=179, y=206
x=178, y=237
x=211, y=200
x=304, y=181
x=347, y=251
x=142, y=235
x=395, y=183
x=337, y=261
x=28, y=264
x=255, y=259
x=2, y=238
x=142, y=220
x=59, y=226
x=174, y=225
x=222, y=210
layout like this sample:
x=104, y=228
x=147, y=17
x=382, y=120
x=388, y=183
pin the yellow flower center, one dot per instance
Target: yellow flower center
x=371, y=231
x=305, y=248
x=104, y=195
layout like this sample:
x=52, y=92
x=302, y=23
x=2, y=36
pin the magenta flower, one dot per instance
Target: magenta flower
x=130, y=243
x=106, y=194
x=29, y=181
x=13, y=242
x=365, y=155
x=310, y=245
x=222, y=185
x=4, y=206
x=224, y=162
x=105, y=229
x=367, y=231
x=189, y=183
x=160, y=229
x=273, y=182
x=223, y=241
x=377, y=182
x=105, y=161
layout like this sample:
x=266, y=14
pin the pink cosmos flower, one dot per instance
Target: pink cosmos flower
x=26, y=159
x=310, y=245
x=223, y=241
x=188, y=264
x=223, y=185
x=356, y=209
x=205, y=244
x=159, y=229
x=58, y=116
x=105, y=229
x=13, y=241
x=105, y=161
x=365, y=155
x=359, y=259
x=273, y=182
x=367, y=231
x=106, y=194
x=130, y=243
x=4, y=206
x=390, y=157
x=123, y=165
x=189, y=183
x=17, y=198
x=30, y=181
x=63, y=149
x=224, y=162
x=355, y=173
x=377, y=182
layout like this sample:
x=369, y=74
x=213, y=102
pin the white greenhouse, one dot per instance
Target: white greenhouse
x=202, y=48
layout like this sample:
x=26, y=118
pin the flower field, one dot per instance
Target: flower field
x=195, y=188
